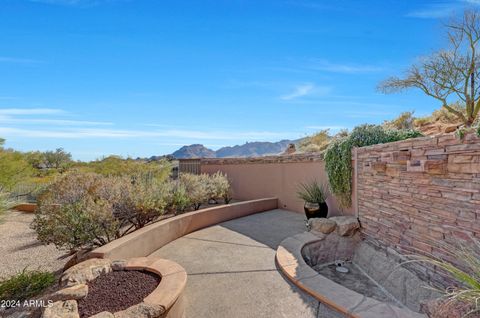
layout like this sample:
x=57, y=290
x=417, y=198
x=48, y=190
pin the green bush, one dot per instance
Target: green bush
x=25, y=285
x=338, y=156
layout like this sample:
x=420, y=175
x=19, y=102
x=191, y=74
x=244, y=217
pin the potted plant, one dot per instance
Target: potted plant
x=315, y=196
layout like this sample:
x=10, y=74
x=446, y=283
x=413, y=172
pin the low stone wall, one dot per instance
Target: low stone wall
x=152, y=237
x=415, y=195
x=274, y=176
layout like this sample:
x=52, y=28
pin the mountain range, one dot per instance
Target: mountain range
x=249, y=149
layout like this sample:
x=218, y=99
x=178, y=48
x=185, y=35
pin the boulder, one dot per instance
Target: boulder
x=75, y=292
x=85, y=271
x=141, y=310
x=103, y=314
x=62, y=309
x=119, y=265
x=322, y=225
x=346, y=225
x=450, y=129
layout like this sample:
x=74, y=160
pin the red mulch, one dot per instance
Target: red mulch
x=117, y=291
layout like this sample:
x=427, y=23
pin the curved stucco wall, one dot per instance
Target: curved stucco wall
x=152, y=237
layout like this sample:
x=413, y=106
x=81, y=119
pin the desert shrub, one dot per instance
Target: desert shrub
x=197, y=188
x=82, y=224
x=25, y=285
x=76, y=212
x=86, y=210
x=441, y=115
x=178, y=200
x=404, y=121
x=338, y=156
x=317, y=142
x=141, y=203
x=222, y=187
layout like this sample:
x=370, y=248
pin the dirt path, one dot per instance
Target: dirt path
x=19, y=247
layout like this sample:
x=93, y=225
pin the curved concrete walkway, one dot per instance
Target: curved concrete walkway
x=232, y=272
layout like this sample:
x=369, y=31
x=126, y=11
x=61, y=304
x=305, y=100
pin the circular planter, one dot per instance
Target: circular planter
x=315, y=210
x=166, y=301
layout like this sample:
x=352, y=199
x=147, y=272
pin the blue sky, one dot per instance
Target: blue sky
x=144, y=77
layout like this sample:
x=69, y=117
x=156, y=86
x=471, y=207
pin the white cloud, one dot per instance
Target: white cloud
x=442, y=9
x=327, y=66
x=334, y=128
x=83, y=133
x=8, y=59
x=308, y=89
x=300, y=91
x=58, y=122
x=30, y=111
x=433, y=12
x=75, y=3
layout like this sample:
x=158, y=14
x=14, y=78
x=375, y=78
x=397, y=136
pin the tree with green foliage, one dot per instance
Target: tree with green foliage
x=117, y=166
x=58, y=159
x=449, y=74
x=14, y=168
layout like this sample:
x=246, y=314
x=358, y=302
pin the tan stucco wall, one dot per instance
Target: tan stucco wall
x=280, y=180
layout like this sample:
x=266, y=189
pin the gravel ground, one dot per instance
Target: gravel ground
x=19, y=247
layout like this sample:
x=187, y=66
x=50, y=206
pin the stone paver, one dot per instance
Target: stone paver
x=232, y=272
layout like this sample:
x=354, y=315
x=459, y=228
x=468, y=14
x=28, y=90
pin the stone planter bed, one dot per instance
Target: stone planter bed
x=134, y=288
x=117, y=291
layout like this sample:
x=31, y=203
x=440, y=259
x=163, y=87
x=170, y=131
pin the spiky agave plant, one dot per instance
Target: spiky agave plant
x=465, y=272
x=313, y=192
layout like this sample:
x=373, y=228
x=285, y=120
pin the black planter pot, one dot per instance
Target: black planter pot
x=316, y=210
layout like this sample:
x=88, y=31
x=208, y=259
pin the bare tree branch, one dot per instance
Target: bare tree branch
x=450, y=73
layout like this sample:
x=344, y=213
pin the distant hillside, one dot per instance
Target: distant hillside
x=194, y=151
x=254, y=149
x=250, y=149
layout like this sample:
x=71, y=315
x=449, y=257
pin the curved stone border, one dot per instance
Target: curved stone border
x=166, y=301
x=344, y=300
x=169, y=293
x=145, y=241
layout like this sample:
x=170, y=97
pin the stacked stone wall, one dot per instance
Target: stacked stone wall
x=418, y=195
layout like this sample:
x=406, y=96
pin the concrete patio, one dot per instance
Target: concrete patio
x=232, y=272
